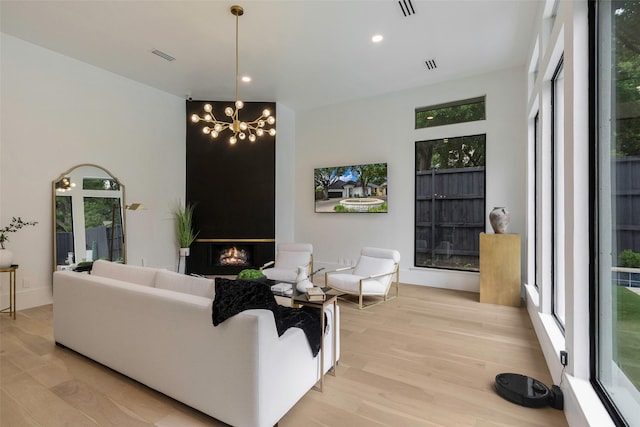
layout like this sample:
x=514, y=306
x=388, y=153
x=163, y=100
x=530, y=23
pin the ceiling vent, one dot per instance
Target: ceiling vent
x=406, y=7
x=163, y=55
x=431, y=64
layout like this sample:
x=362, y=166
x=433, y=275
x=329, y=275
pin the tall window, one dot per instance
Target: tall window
x=450, y=205
x=616, y=149
x=557, y=103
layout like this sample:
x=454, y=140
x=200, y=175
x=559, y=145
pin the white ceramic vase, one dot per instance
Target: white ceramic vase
x=302, y=281
x=6, y=258
x=500, y=218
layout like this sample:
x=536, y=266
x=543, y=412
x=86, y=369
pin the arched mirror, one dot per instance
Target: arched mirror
x=88, y=217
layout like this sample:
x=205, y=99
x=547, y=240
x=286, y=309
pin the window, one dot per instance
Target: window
x=615, y=347
x=467, y=110
x=450, y=202
x=557, y=105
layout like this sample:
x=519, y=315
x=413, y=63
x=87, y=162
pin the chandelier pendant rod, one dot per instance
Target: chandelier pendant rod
x=237, y=14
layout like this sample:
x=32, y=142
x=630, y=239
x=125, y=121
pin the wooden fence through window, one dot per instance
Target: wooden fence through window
x=449, y=217
x=626, y=219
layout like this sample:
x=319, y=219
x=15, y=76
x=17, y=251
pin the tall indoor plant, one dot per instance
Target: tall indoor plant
x=184, y=230
x=6, y=256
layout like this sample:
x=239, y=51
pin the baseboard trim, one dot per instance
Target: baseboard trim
x=31, y=297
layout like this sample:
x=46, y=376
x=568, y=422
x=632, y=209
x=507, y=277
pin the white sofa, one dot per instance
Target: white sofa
x=155, y=326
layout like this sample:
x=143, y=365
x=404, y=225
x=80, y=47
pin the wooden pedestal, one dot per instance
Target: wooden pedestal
x=500, y=280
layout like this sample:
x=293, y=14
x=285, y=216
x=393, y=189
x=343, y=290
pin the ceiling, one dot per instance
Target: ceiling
x=302, y=53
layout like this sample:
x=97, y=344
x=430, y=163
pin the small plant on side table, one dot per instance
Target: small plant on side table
x=15, y=225
x=6, y=256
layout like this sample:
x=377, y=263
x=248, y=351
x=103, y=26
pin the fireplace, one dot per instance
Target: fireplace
x=228, y=256
x=232, y=255
x=233, y=189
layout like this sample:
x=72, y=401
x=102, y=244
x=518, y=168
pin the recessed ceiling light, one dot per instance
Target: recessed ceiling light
x=377, y=38
x=246, y=79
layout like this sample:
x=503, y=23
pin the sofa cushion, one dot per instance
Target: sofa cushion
x=177, y=282
x=127, y=273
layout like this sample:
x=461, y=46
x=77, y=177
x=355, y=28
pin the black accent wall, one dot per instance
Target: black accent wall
x=232, y=187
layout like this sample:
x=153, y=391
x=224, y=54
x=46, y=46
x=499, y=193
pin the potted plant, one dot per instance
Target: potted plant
x=6, y=256
x=184, y=227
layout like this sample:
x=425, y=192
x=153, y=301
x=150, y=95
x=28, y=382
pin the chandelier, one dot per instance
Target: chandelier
x=241, y=129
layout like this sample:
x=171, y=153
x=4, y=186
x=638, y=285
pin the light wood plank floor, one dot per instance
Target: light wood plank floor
x=428, y=358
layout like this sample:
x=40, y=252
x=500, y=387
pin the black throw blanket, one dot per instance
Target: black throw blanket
x=235, y=296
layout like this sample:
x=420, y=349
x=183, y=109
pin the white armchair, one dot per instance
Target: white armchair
x=290, y=256
x=371, y=276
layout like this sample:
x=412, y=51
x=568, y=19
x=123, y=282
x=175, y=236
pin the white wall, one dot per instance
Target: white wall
x=285, y=179
x=57, y=112
x=381, y=129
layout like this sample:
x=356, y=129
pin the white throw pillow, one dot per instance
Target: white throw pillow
x=182, y=283
x=127, y=273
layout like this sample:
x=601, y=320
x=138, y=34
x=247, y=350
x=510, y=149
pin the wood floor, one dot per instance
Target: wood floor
x=428, y=358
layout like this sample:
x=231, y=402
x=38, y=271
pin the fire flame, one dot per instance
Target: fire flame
x=233, y=256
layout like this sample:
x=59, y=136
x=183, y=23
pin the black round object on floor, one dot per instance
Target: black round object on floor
x=523, y=390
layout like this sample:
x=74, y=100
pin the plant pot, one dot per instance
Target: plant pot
x=184, y=251
x=6, y=258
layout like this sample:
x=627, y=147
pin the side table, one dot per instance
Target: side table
x=12, y=290
x=301, y=300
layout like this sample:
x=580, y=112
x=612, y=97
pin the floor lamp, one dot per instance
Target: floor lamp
x=131, y=207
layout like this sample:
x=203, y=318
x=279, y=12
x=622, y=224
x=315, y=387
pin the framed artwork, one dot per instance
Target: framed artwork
x=351, y=189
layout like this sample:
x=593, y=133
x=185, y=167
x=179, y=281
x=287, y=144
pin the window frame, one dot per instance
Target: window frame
x=435, y=224
x=537, y=205
x=556, y=216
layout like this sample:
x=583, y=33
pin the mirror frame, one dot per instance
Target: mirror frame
x=53, y=210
